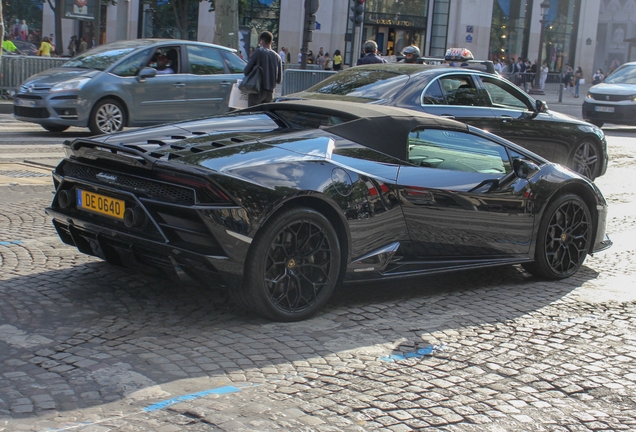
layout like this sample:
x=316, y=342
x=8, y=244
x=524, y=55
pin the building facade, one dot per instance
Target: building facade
x=591, y=34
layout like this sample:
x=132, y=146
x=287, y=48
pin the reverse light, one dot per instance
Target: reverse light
x=71, y=85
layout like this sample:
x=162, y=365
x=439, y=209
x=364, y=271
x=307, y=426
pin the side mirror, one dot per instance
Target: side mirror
x=524, y=169
x=541, y=106
x=146, y=72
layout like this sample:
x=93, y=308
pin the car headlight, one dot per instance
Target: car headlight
x=589, y=95
x=70, y=85
x=634, y=98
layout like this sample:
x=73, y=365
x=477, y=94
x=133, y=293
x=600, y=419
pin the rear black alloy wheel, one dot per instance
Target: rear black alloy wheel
x=564, y=238
x=55, y=128
x=293, y=267
x=586, y=159
x=107, y=117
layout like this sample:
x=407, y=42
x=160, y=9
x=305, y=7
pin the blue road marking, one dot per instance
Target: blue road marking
x=192, y=396
x=429, y=350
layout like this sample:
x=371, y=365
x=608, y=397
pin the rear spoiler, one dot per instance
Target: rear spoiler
x=93, y=150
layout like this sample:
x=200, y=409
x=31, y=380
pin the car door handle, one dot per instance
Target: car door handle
x=226, y=83
x=448, y=116
x=179, y=84
x=506, y=118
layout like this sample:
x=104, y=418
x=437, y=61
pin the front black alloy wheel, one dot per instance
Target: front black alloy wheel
x=564, y=238
x=293, y=266
x=586, y=159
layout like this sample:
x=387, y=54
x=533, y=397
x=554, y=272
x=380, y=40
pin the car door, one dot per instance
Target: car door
x=458, y=96
x=461, y=200
x=518, y=120
x=210, y=81
x=161, y=98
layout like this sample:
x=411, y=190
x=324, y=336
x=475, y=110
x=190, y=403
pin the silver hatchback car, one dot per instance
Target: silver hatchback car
x=123, y=84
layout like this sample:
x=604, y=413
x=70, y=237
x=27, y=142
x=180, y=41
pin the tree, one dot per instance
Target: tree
x=226, y=30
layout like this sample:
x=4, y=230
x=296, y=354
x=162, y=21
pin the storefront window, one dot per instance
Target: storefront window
x=395, y=24
x=509, y=33
x=560, y=33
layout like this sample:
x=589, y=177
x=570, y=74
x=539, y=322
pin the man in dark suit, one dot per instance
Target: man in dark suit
x=370, y=49
x=271, y=69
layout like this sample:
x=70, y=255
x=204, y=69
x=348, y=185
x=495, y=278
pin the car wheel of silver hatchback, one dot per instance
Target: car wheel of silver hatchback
x=107, y=117
x=586, y=159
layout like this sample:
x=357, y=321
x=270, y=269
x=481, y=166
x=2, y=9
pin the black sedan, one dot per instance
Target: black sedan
x=284, y=201
x=478, y=98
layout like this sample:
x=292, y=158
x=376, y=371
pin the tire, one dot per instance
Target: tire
x=55, y=128
x=564, y=238
x=586, y=158
x=108, y=116
x=293, y=266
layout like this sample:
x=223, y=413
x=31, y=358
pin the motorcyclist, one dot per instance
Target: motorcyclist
x=411, y=54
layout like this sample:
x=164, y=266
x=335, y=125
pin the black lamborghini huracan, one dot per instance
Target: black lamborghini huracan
x=284, y=201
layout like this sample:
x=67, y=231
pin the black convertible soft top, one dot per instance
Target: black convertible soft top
x=379, y=127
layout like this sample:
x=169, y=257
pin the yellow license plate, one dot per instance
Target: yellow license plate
x=100, y=204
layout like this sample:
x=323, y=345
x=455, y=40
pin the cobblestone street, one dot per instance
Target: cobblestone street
x=86, y=346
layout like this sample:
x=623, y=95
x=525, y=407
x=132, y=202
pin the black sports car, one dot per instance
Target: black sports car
x=478, y=98
x=284, y=201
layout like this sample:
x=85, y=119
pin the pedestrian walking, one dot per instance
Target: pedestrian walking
x=578, y=78
x=271, y=69
x=544, y=74
x=337, y=60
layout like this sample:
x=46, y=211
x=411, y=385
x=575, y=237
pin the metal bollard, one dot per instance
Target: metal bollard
x=561, y=92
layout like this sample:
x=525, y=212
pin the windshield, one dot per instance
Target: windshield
x=362, y=83
x=625, y=74
x=98, y=59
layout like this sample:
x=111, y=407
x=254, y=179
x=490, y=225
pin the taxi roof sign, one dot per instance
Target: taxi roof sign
x=458, y=54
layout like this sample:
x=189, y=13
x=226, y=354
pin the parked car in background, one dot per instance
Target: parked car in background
x=613, y=100
x=27, y=48
x=117, y=85
x=479, y=98
x=283, y=201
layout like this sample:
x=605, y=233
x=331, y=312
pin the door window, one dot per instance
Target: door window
x=165, y=60
x=234, y=63
x=205, y=61
x=456, y=90
x=503, y=95
x=131, y=66
x=457, y=151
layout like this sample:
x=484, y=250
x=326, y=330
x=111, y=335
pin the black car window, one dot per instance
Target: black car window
x=362, y=83
x=504, y=95
x=205, y=60
x=434, y=94
x=132, y=65
x=234, y=63
x=457, y=151
x=460, y=90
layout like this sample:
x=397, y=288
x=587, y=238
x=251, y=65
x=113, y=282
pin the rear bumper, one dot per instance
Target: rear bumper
x=131, y=251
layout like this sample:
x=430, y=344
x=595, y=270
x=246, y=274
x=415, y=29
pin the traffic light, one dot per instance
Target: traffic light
x=358, y=11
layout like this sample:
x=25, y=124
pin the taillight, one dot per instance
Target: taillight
x=206, y=191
